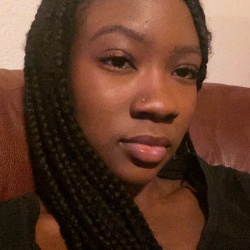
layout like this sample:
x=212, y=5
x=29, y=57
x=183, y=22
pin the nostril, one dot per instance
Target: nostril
x=171, y=117
x=156, y=117
x=155, y=106
x=142, y=115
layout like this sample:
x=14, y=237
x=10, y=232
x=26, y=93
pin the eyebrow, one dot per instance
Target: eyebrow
x=109, y=29
x=186, y=49
x=119, y=29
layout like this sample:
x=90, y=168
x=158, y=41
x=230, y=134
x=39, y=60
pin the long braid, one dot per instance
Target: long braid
x=90, y=204
x=203, y=34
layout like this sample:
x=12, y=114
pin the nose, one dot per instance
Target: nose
x=155, y=97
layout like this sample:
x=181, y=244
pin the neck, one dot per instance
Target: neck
x=156, y=189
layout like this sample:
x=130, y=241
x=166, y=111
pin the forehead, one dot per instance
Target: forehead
x=153, y=19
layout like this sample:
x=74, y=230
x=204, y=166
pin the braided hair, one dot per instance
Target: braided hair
x=88, y=201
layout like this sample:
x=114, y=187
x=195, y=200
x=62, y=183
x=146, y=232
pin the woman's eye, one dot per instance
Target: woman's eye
x=186, y=73
x=117, y=62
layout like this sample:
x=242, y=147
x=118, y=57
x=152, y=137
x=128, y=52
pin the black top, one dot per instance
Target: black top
x=18, y=219
x=227, y=226
x=228, y=195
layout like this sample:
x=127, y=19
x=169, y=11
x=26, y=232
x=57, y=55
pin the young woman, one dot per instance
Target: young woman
x=111, y=87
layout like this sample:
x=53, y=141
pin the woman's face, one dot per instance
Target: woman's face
x=134, y=66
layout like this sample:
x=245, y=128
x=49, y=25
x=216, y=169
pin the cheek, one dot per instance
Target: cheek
x=95, y=106
x=94, y=121
x=190, y=105
x=187, y=106
x=94, y=90
x=86, y=99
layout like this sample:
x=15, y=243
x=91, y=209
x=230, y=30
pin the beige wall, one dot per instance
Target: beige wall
x=229, y=21
x=15, y=20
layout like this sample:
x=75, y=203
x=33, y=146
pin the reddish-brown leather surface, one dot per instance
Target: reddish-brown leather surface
x=15, y=171
x=221, y=127
x=220, y=131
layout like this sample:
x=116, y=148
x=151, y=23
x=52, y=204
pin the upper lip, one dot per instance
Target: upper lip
x=149, y=140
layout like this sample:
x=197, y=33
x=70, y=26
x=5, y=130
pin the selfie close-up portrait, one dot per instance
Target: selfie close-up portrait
x=111, y=136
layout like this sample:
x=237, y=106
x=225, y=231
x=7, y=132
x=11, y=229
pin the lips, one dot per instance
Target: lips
x=145, y=148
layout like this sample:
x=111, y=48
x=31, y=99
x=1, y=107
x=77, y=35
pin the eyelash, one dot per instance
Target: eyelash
x=188, y=72
x=113, y=60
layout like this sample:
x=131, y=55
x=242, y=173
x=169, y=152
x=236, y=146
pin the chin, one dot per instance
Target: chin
x=138, y=175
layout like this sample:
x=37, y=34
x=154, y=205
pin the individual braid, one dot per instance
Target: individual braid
x=203, y=34
x=193, y=174
x=90, y=204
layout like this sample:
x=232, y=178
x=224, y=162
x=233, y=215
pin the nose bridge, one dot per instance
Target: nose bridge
x=156, y=96
x=158, y=89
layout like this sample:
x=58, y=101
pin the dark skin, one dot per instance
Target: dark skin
x=140, y=50
x=173, y=214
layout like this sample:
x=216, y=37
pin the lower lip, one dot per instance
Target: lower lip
x=145, y=153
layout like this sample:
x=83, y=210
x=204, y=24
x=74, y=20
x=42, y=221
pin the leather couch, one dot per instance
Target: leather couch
x=220, y=131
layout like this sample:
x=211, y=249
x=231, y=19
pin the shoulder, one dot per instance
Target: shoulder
x=227, y=180
x=27, y=203
x=18, y=218
x=228, y=195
